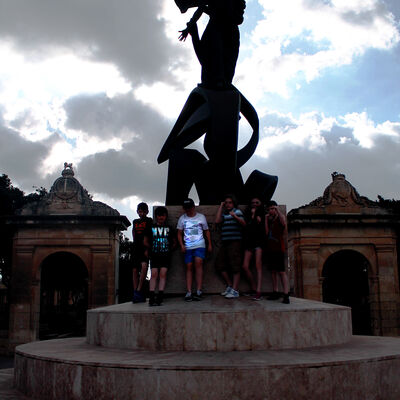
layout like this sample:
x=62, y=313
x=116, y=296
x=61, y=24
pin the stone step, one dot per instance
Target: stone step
x=219, y=324
x=364, y=368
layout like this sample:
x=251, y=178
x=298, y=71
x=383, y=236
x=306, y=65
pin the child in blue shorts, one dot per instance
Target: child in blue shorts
x=192, y=232
x=159, y=242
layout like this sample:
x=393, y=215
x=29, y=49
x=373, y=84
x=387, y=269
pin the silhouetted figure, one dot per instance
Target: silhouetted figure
x=213, y=109
x=218, y=48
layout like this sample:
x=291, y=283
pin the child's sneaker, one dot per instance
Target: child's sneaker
x=140, y=298
x=226, y=291
x=257, y=297
x=159, y=298
x=250, y=293
x=233, y=294
x=198, y=295
x=136, y=297
x=188, y=296
x=286, y=299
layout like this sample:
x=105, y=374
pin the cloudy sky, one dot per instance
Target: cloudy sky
x=100, y=84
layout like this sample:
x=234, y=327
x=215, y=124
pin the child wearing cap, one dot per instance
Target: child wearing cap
x=192, y=231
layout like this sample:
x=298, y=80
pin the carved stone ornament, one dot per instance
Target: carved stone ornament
x=68, y=196
x=341, y=194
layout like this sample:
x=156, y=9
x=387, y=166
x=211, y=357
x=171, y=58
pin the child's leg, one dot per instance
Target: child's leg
x=189, y=276
x=153, y=280
x=284, y=281
x=274, y=281
x=135, y=278
x=163, y=279
x=153, y=284
x=198, y=264
x=236, y=280
x=143, y=274
x=258, y=256
x=246, y=265
x=227, y=278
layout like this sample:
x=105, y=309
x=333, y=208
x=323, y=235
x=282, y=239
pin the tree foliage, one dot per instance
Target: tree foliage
x=392, y=205
x=125, y=269
x=11, y=199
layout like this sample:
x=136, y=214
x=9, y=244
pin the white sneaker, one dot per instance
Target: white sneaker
x=226, y=291
x=233, y=294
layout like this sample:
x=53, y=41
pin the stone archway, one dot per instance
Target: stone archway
x=346, y=283
x=63, y=296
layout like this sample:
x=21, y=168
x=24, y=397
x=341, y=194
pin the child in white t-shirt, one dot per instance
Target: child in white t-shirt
x=192, y=231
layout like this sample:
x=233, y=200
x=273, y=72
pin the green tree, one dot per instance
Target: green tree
x=392, y=205
x=125, y=269
x=11, y=199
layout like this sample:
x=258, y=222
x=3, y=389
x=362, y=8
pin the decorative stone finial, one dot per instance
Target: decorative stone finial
x=68, y=171
x=336, y=175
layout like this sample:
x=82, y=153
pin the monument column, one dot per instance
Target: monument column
x=309, y=266
x=21, y=312
x=388, y=289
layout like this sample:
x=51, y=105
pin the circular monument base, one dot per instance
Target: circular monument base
x=365, y=368
x=223, y=352
x=218, y=324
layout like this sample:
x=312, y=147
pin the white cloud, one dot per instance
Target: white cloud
x=331, y=35
x=316, y=132
x=366, y=131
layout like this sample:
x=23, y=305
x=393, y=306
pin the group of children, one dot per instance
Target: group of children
x=243, y=235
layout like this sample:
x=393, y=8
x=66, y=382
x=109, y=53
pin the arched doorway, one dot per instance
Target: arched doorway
x=63, y=296
x=346, y=283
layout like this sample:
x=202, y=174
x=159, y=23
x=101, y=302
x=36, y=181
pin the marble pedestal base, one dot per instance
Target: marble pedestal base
x=365, y=368
x=309, y=355
x=218, y=324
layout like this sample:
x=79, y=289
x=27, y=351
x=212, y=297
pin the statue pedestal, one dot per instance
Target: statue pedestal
x=217, y=349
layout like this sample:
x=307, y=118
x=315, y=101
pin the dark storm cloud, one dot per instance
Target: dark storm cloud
x=133, y=170
x=104, y=117
x=124, y=173
x=20, y=159
x=127, y=33
x=24, y=119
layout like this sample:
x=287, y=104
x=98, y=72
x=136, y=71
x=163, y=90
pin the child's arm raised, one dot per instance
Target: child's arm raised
x=240, y=220
x=218, y=218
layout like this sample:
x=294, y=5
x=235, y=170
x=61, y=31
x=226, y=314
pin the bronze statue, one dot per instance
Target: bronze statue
x=213, y=109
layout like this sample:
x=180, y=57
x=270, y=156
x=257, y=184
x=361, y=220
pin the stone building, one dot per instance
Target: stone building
x=65, y=260
x=343, y=248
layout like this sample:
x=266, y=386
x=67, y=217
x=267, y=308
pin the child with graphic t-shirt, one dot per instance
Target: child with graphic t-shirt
x=192, y=228
x=159, y=243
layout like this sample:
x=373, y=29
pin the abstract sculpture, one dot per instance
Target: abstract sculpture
x=213, y=109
